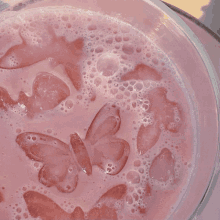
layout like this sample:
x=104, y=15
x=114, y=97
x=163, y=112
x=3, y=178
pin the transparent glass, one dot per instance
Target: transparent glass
x=181, y=45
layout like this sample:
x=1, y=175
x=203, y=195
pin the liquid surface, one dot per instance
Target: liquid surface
x=93, y=122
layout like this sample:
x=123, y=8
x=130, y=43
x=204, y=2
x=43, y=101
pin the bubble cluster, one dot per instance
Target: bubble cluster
x=111, y=51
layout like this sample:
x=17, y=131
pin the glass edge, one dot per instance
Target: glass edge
x=18, y=6
x=194, y=20
x=3, y=6
x=214, y=78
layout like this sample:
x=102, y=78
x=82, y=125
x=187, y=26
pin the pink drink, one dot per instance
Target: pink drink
x=92, y=110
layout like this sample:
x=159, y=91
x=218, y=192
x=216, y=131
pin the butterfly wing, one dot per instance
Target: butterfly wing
x=147, y=137
x=168, y=112
x=106, y=203
x=41, y=206
x=78, y=214
x=105, y=148
x=40, y=147
x=106, y=122
x=48, y=92
x=116, y=192
x=111, y=154
x=162, y=167
x=142, y=72
x=103, y=212
x=57, y=172
x=59, y=167
x=5, y=100
x=70, y=180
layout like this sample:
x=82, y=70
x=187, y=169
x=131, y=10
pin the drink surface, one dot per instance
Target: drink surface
x=93, y=122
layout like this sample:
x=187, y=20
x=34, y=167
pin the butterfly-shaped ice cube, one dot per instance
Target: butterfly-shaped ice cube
x=42, y=206
x=62, y=162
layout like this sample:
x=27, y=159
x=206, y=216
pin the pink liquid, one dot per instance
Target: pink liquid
x=94, y=124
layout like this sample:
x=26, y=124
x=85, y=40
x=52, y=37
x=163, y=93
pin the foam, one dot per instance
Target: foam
x=111, y=51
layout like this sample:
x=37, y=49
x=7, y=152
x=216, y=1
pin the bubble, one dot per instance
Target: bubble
x=145, y=107
x=134, y=96
x=117, y=46
x=79, y=97
x=36, y=165
x=138, y=49
x=155, y=61
x=118, y=38
x=99, y=49
x=132, y=82
x=65, y=18
x=92, y=27
x=130, y=189
x=124, y=57
x=49, y=131
x=125, y=84
x=18, y=217
x=122, y=88
x=18, y=130
x=125, y=29
x=25, y=215
x=92, y=35
x=134, y=104
x=129, y=199
x=141, y=170
x=19, y=210
x=148, y=55
x=137, y=163
x=147, y=84
x=138, y=86
x=69, y=104
x=135, y=196
x=68, y=25
x=127, y=93
x=130, y=88
x=119, y=96
x=113, y=91
x=109, y=40
x=128, y=48
x=126, y=38
x=139, y=191
x=133, y=177
x=108, y=64
x=97, y=81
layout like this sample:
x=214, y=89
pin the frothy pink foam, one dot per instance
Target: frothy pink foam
x=103, y=126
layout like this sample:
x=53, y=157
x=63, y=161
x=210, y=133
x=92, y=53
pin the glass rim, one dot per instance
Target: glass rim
x=214, y=78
